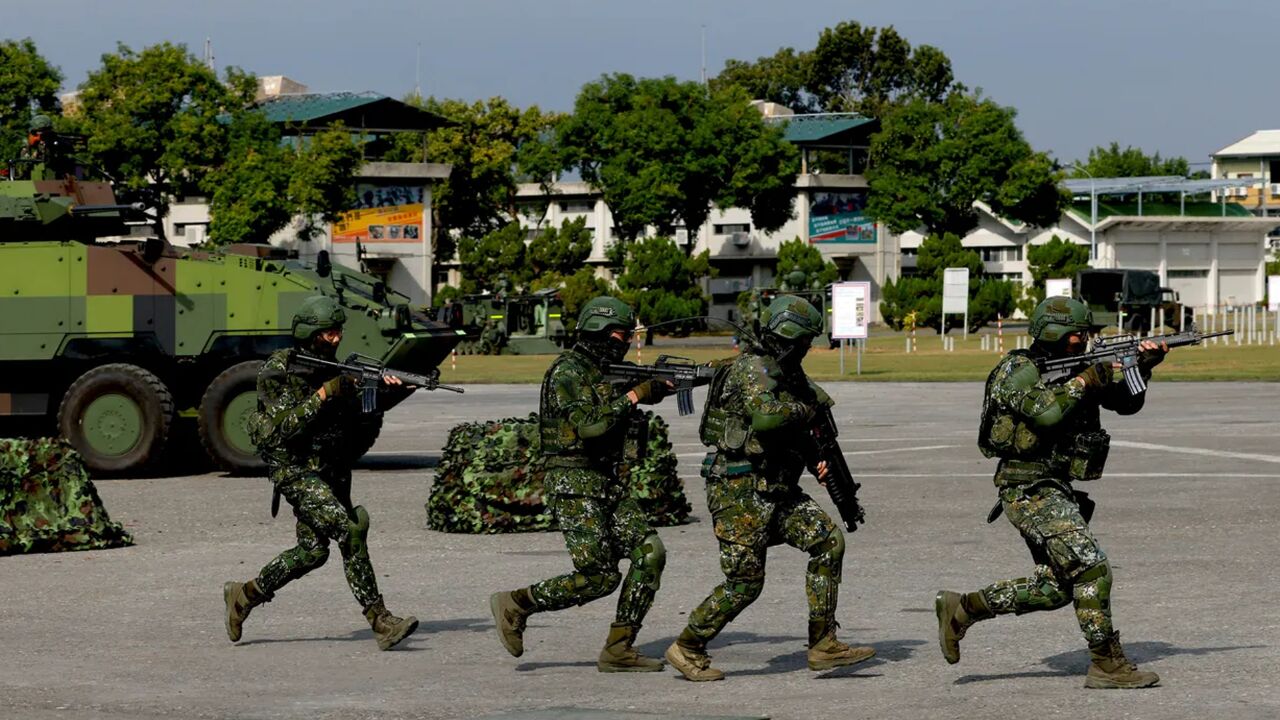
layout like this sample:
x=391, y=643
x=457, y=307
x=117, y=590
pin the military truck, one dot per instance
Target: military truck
x=501, y=324
x=1127, y=297
x=119, y=342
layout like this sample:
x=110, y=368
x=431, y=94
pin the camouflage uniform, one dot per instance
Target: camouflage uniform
x=1047, y=436
x=584, y=423
x=755, y=418
x=302, y=430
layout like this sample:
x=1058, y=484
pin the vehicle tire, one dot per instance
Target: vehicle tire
x=225, y=406
x=365, y=435
x=118, y=418
x=1137, y=324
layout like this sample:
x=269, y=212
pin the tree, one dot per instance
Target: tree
x=921, y=293
x=1111, y=161
x=497, y=255
x=661, y=282
x=852, y=68
x=799, y=255
x=576, y=289
x=492, y=146
x=932, y=160
x=152, y=117
x=28, y=85
x=562, y=250
x=1057, y=258
x=663, y=152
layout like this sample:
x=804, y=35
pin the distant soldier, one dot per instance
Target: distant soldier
x=755, y=419
x=303, y=430
x=1048, y=435
x=584, y=422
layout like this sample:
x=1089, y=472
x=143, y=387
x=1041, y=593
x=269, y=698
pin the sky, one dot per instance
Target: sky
x=1181, y=77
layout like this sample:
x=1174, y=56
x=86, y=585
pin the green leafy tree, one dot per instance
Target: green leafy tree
x=799, y=255
x=852, y=68
x=28, y=85
x=560, y=250
x=322, y=176
x=494, y=256
x=1057, y=258
x=492, y=146
x=576, y=289
x=663, y=283
x=664, y=152
x=152, y=117
x=1111, y=161
x=921, y=293
x=932, y=160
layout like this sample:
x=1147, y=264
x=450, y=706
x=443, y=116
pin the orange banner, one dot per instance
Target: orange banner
x=395, y=224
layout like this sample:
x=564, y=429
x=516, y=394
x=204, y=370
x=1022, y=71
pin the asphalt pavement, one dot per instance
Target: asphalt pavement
x=1186, y=513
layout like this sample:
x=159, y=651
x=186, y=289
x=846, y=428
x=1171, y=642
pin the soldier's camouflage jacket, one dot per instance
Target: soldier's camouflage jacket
x=297, y=432
x=755, y=417
x=583, y=425
x=1042, y=429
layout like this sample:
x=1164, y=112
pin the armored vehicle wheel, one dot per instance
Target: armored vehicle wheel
x=365, y=435
x=226, y=404
x=117, y=416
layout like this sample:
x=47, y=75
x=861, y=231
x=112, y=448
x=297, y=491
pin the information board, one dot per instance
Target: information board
x=955, y=291
x=1054, y=287
x=1273, y=292
x=850, y=310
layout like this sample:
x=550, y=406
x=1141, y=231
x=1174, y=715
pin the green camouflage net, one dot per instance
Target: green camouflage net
x=48, y=503
x=490, y=479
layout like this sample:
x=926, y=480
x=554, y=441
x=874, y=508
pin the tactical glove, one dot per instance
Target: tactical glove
x=1148, y=359
x=1096, y=376
x=651, y=391
x=336, y=386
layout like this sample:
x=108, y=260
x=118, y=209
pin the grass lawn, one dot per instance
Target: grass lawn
x=885, y=359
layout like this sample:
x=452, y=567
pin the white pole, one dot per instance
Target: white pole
x=1151, y=328
x=860, y=342
x=842, y=344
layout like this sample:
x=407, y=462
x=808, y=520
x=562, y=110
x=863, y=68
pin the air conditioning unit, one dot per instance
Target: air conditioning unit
x=740, y=239
x=195, y=234
x=1275, y=188
x=682, y=237
x=1240, y=192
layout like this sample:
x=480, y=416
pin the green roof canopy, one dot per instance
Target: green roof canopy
x=367, y=111
x=840, y=129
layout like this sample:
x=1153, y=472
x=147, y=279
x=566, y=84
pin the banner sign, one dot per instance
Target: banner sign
x=840, y=217
x=383, y=214
x=849, y=310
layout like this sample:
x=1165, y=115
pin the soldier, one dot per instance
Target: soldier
x=583, y=425
x=1046, y=436
x=755, y=419
x=301, y=430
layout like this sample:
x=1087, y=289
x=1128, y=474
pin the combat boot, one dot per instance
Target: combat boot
x=1111, y=670
x=826, y=652
x=387, y=628
x=956, y=614
x=240, y=599
x=618, y=654
x=692, y=660
x=510, y=611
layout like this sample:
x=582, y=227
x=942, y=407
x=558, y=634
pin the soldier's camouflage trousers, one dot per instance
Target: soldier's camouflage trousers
x=747, y=522
x=1070, y=566
x=600, y=533
x=323, y=515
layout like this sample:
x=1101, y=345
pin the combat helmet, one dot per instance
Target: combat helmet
x=40, y=122
x=792, y=317
x=606, y=314
x=317, y=313
x=1058, y=316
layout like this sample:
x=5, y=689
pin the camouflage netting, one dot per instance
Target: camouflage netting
x=490, y=479
x=48, y=503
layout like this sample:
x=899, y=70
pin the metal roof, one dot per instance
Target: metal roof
x=1263, y=142
x=1152, y=184
x=366, y=111
x=819, y=126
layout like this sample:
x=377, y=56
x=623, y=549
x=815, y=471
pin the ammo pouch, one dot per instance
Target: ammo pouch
x=1088, y=455
x=730, y=468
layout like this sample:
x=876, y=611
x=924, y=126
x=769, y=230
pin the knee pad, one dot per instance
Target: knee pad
x=596, y=585
x=743, y=591
x=356, y=541
x=647, y=561
x=1041, y=591
x=1093, y=587
x=827, y=557
x=315, y=557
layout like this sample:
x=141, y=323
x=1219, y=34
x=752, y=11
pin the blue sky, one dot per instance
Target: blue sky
x=1180, y=77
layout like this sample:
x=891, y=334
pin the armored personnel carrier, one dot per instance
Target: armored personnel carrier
x=502, y=324
x=119, y=341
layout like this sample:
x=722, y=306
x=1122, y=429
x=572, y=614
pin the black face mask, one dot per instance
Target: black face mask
x=788, y=353
x=603, y=348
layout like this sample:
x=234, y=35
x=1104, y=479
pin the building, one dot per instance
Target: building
x=1256, y=157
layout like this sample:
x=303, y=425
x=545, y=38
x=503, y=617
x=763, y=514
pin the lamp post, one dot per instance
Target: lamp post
x=1093, y=214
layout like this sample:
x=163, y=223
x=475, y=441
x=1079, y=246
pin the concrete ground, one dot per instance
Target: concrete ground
x=1186, y=513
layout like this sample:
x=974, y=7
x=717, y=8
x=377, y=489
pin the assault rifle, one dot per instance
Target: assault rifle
x=684, y=373
x=840, y=484
x=1122, y=349
x=368, y=373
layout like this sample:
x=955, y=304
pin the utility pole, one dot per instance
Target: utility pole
x=704, y=55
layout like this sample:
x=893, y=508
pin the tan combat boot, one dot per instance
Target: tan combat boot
x=619, y=656
x=387, y=628
x=510, y=611
x=1111, y=670
x=826, y=652
x=240, y=599
x=956, y=614
x=692, y=660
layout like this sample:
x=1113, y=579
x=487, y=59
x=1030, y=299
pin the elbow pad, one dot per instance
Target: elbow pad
x=762, y=422
x=1048, y=407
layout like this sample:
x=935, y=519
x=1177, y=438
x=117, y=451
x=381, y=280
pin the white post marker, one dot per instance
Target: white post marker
x=850, y=314
x=955, y=296
x=1054, y=287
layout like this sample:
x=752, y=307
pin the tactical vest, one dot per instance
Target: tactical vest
x=1001, y=433
x=722, y=428
x=558, y=434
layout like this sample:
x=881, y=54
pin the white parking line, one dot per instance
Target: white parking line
x=1198, y=451
x=847, y=453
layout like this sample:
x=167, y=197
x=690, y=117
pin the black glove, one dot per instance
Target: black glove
x=336, y=386
x=1097, y=376
x=652, y=391
x=1148, y=359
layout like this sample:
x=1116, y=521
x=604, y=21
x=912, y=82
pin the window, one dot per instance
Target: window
x=1000, y=254
x=577, y=206
x=1275, y=171
x=910, y=252
x=180, y=229
x=1188, y=274
x=730, y=228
